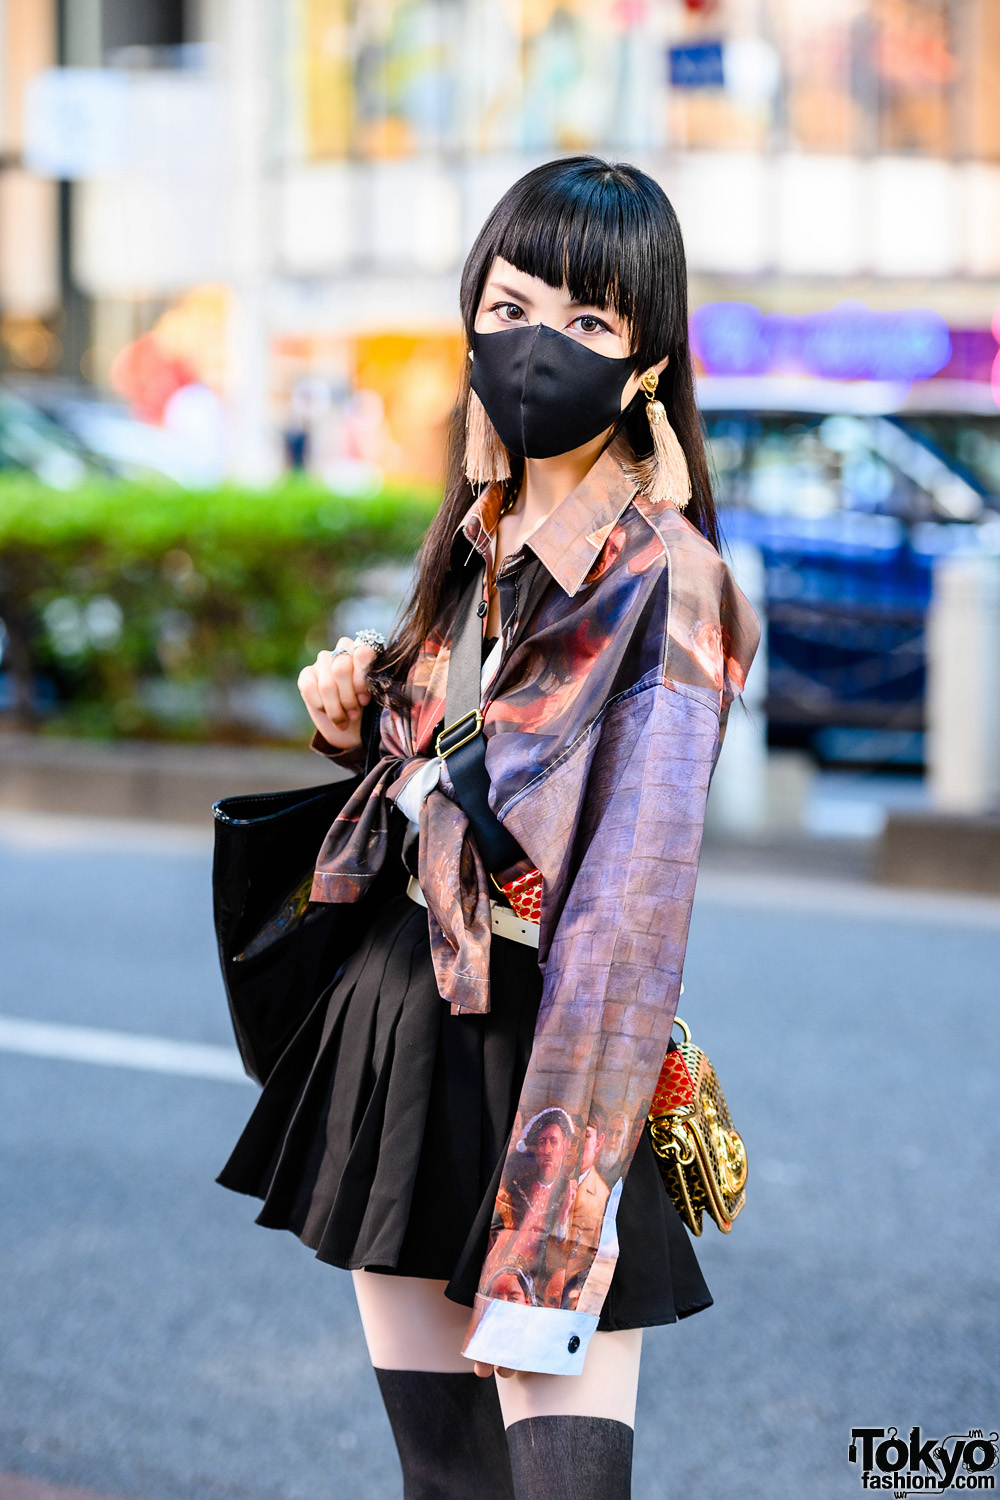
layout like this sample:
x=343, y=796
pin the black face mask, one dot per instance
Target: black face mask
x=544, y=392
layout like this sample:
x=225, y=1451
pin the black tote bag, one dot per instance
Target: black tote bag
x=278, y=950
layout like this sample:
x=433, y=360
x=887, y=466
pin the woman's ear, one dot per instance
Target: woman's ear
x=634, y=383
x=656, y=369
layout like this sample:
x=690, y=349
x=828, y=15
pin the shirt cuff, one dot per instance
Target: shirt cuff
x=516, y=1336
x=415, y=789
x=351, y=760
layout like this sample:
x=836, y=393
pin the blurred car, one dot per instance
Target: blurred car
x=31, y=442
x=62, y=435
x=850, y=509
x=187, y=448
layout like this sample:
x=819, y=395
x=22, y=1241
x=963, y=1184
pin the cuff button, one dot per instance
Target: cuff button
x=574, y=1343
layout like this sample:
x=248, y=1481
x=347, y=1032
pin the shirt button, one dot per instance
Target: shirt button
x=481, y=608
x=574, y=1343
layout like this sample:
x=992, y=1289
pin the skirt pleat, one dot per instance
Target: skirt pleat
x=380, y=1136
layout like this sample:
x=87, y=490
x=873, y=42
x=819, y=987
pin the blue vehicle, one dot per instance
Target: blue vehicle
x=850, y=509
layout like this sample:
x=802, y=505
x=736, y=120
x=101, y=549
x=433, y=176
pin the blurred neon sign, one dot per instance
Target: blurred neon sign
x=848, y=342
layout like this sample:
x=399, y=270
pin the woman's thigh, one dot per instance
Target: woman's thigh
x=606, y=1387
x=410, y=1324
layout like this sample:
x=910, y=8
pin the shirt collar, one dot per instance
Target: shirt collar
x=570, y=538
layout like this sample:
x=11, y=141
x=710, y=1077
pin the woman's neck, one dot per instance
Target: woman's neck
x=547, y=481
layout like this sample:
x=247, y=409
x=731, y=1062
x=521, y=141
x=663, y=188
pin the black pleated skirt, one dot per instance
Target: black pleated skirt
x=380, y=1136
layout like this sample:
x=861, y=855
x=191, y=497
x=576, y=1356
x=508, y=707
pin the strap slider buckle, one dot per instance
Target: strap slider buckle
x=467, y=727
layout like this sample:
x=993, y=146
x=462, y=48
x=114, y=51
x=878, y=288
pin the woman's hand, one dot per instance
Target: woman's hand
x=335, y=689
x=485, y=1371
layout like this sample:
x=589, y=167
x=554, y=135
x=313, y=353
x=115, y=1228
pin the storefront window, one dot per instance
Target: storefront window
x=406, y=76
x=826, y=46
x=398, y=78
x=322, y=59
x=915, y=69
x=722, y=76
x=591, y=73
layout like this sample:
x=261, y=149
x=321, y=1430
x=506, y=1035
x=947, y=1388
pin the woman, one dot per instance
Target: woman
x=427, y=1126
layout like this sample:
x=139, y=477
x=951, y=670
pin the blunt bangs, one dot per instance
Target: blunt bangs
x=608, y=232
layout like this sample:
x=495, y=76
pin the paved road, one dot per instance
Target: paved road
x=154, y=1344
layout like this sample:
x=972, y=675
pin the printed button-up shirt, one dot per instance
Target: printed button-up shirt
x=603, y=724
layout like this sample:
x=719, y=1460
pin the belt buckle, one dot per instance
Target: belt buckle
x=475, y=716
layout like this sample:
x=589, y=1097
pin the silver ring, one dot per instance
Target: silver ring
x=341, y=651
x=373, y=638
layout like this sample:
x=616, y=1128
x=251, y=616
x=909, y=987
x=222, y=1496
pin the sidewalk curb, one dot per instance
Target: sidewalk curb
x=137, y=779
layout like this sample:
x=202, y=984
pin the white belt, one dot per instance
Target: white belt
x=506, y=922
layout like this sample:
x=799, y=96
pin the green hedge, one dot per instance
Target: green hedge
x=107, y=587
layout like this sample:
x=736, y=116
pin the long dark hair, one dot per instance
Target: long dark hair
x=610, y=234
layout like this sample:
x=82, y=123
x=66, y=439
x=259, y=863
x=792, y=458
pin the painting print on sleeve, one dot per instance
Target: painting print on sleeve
x=553, y=1241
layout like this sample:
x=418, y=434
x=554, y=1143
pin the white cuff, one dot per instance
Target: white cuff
x=413, y=792
x=544, y=1340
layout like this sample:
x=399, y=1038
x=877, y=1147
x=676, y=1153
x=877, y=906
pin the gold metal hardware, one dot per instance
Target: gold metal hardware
x=701, y=1157
x=476, y=716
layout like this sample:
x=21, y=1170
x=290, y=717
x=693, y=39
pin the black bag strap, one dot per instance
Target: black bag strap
x=462, y=742
x=463, y=693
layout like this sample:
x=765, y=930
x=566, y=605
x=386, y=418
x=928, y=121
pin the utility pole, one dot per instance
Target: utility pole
x=80, y=46
x=246, y=51
x=738, y=802
x=963, y=685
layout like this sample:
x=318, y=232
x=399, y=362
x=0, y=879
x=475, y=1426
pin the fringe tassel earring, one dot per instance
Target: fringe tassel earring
x=670, y=480
x=486, y=458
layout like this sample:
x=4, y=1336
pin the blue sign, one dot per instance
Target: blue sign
x=698, y=65
x=848, y=342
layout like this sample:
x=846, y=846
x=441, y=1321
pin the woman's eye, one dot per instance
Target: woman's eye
x=587, y=323
x=510, y=311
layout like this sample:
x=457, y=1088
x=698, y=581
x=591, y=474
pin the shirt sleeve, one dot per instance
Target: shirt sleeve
x=611, y=984
x=352, y=760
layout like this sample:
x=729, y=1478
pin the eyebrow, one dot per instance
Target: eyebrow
x=516, y=296
x=510, y=292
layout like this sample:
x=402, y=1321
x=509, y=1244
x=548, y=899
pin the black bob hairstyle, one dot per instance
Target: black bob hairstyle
x=609, y=233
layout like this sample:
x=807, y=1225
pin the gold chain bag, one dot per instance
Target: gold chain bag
x=701, y=1157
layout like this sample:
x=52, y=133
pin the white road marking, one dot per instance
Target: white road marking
x=121, y=1049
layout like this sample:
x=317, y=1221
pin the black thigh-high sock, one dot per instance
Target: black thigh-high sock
x=570, y=1458
x=449, y=1433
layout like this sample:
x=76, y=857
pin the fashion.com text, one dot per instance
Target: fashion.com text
x=919, y=1465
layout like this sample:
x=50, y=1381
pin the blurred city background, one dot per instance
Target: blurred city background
x=230, y=240
x=230, y=245
x=231, y=233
